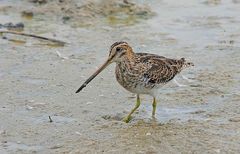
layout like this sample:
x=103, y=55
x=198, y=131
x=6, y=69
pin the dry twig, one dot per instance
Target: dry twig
x=35, y=36
x=50, y=119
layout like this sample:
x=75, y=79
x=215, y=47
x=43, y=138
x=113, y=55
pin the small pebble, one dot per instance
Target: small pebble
x=106, y=117
x=11, y=26
x=89, y=103
x=78, y=133
x=29, y=107
x=27, y=14
x=56, y=147
x=39, y=1
x=234, y=119
x=2, y=132
x=65, y=19
x=19, y=25
x=217, y=150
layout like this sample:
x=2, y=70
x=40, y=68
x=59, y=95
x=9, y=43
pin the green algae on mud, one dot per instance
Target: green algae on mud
x=114, y=12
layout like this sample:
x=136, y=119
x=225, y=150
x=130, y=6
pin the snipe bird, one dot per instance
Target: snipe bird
x=140, y=73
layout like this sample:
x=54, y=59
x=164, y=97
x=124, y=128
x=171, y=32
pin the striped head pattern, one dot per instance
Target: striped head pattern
x=119, y=50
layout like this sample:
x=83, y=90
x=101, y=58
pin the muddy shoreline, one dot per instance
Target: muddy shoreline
x=39, y=79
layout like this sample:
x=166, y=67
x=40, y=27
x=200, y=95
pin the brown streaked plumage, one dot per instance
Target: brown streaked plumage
x=140, y=73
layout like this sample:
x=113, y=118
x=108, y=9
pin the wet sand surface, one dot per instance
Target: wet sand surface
x=39, y=79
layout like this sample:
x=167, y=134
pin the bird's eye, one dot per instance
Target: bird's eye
x=118, y=49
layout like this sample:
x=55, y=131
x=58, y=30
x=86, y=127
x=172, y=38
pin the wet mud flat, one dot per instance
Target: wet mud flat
x=39, y=79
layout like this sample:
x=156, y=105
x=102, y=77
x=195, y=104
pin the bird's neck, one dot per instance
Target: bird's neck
x=130, y=55
x=127, y=61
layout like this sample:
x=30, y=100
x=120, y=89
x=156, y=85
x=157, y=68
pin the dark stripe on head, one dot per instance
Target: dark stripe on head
x=117, y=43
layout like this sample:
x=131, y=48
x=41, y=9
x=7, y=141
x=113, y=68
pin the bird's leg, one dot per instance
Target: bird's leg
x=180, y=85
x=154, y=105
x=128, y=118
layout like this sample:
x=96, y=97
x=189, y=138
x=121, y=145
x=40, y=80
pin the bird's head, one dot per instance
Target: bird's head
x=118, y=51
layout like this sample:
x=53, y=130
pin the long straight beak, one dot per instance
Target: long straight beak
x=94, y=75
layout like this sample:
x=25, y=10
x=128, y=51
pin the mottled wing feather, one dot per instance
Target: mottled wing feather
x=160, y=69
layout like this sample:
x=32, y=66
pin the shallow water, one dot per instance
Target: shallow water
x=39, y=80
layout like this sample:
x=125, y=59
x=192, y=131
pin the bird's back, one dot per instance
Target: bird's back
x=159, y=69
x=146, y=71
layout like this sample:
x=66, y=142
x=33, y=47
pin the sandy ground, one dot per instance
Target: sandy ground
x=36, y=82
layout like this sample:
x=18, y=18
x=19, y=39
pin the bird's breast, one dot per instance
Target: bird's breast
x=131, y=80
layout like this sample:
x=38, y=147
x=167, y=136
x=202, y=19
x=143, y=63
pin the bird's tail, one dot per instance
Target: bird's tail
x=186, y=64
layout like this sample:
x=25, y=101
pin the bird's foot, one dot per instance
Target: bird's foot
x=154, y=118
x=153, y=114
x=127, y=119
